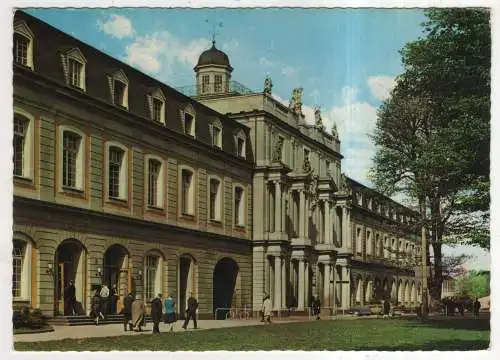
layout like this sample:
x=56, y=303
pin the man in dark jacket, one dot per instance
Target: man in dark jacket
x=192, y=306
x=127, y=311
x=387, y=308
x=156, y=312
x=476, y=306
x=316, y=304
x=69, y=298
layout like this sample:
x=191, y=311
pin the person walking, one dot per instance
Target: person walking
x=96, y=307
x=169, y=305
x=192, y=306
x=127, y=311
x=113, y=298
x=69, y=299
x=104, y=293
x=387, y=308
x=316, y=307
x=266, y=309
x=138, y=314
x=476, y=306
x=156, y=312
x=262, y=318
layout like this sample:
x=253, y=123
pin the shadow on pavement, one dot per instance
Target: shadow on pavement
x=457, y=323
x=441, y=345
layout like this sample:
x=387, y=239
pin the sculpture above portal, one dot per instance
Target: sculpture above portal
x=335, y=132
x=318, y=121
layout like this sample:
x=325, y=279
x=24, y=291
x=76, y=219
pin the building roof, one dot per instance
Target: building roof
x=213, y=56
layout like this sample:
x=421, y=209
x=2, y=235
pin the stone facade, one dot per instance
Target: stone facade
x=224, y=194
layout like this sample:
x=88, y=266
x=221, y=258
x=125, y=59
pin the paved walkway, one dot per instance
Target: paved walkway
x=88, y=331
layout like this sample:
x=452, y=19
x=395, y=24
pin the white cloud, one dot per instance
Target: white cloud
x=288, y=70
x=315, y=95
x=266, y=62
x=161, y=51
x=231, y=46
x=381, y=86
x=116, y=26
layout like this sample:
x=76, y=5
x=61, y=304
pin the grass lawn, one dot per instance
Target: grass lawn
x=369, y=334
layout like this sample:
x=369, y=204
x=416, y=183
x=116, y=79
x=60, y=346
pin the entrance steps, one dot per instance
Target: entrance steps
x=77, y=320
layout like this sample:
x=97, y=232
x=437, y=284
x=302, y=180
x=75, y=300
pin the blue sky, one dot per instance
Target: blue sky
x=345, y=59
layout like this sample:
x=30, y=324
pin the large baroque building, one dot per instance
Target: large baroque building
x=211, y=190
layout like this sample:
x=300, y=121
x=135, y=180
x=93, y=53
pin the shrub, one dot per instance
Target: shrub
x=29, y=318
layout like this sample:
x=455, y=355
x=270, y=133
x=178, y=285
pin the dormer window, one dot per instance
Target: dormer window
x=216, y=133
x=188, y=116
x=118, y=86
x=73, y=64
x=23, y=45
x=240, y=143
x=156, y=102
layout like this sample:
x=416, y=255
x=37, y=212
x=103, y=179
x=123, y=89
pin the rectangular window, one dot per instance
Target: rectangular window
x=20, y=128
x=187, y=177
x=154, y=168
x=238, y=211
x=214, y=191
x=157, y=110
x=216, y=137
x=75, y=71
x=17, y=268
x=119, y=93
x=115, y=166
x=71, y=146
x=205, y=84
x=218, y=84
x=20, y=48
x=188, y=124
x=150, y=274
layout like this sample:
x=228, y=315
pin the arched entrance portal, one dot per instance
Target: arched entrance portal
x=226, y=287
x=187, y=281
x=70, y=259
x=117, y=272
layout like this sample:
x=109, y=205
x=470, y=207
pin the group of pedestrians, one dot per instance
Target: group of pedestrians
x=103, y=303
x=450, y=305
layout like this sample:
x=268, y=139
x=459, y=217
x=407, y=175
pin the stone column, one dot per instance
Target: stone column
x=267, y=199
x=267, y=282
x=306, y=216
x=301, y=290
x=277, y=282
x=326, y=287
x=285, y=200
x=306, y=285
x=283, y=282
x=345, y=241
x=302, y=204
x=277, y=207
x=328, y=224
x=346, y=288
x=337, y=273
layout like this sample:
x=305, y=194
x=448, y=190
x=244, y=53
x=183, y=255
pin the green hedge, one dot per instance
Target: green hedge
x=28, y=318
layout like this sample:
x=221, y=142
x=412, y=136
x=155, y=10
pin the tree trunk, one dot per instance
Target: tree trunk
x=436, y=242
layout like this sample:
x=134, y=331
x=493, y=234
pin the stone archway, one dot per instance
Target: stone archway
x=394, y=291
x=226, y=287
x=368, y=291
x=70, y=265
x=400, y=292
x=407, y=297
x=116, y=272
x=187, y=279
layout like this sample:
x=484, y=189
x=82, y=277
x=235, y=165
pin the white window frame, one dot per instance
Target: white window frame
x=189, y=208
x=28, y=146
x=160, y=185
x=74, y=54
x=369, y=241
x=216, y=124
x=189, y=110
x=158, y=280
x=241, y=220
x=124, y=181
x=158, y=95
x=359, y=240
x=21, y=28
x=80, y=159
x=26, y=266
x=240, y=135
x=121, y=77
x=218, y=199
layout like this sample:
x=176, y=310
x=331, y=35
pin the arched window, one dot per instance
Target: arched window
x=153, y=275
x=215, y=199
x=359, y=243
x=117, y=171
x=155, y=182
x=239, y=206
x=21, y=268
x=187, y=191
x=72, y=158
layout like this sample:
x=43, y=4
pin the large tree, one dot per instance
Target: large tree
x=432, y=134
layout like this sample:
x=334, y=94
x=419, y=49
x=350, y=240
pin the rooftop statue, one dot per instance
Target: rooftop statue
x=344, y=185
x=335, y=132
x=268, y=85
x=318, y=121
x=296, y=101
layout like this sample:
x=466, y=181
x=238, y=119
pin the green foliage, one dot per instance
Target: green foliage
x=28, y=318
x=359, y=334
x=474, y=284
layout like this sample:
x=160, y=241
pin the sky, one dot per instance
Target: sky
x=345, y=59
